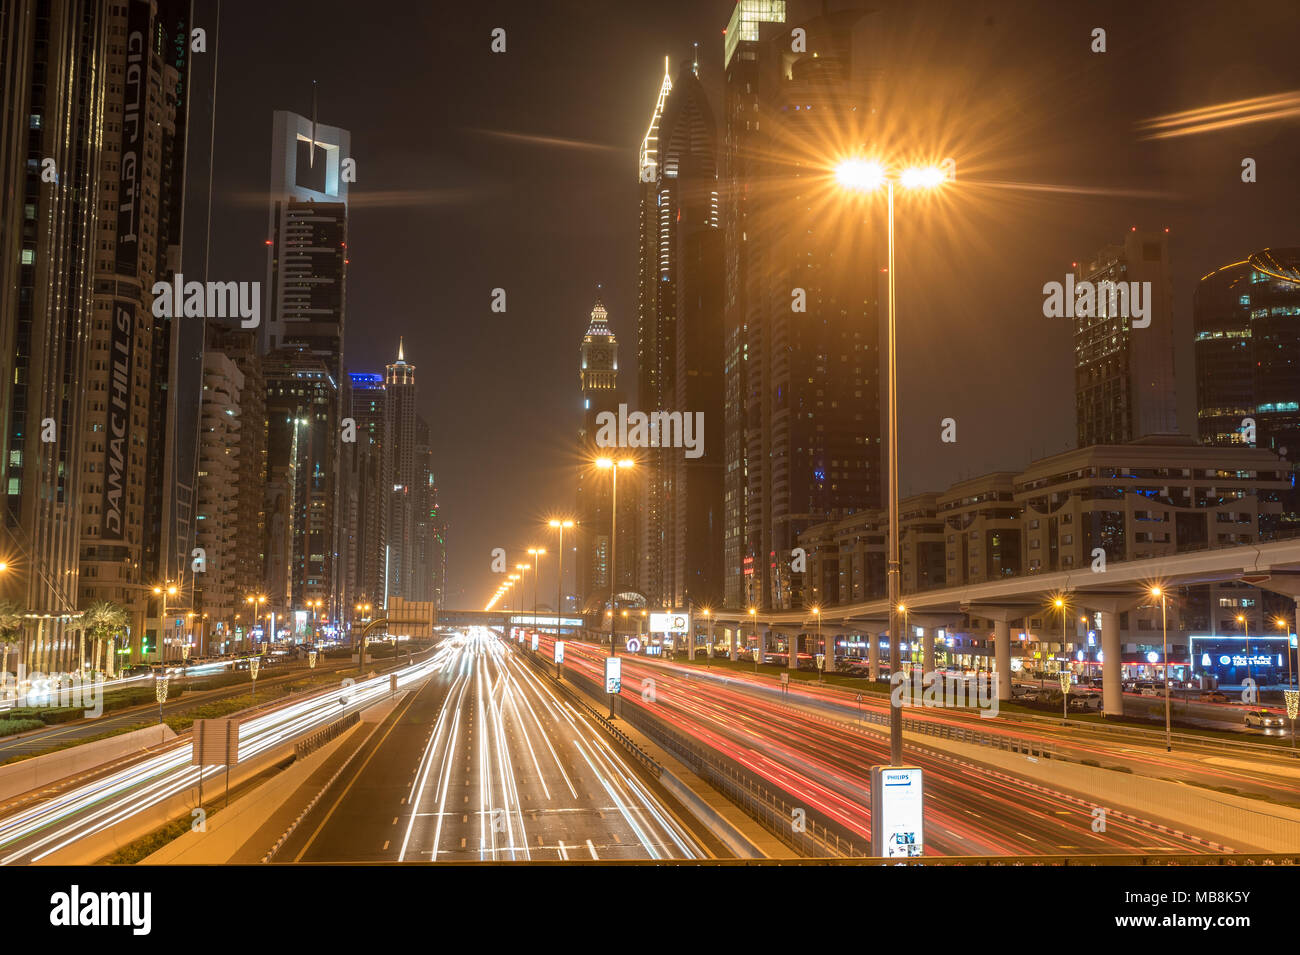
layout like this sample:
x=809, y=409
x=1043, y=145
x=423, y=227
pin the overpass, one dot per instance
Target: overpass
x=499, y=621
x=1121, y=586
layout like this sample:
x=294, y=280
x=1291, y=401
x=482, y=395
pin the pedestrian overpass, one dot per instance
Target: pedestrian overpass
x=499, y=621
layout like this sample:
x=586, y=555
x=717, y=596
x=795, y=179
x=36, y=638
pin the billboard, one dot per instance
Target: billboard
x=670, y=623
x=117, y=445
x=897, y=811
x=559, y=652
x=534, y=641
x=613, y=675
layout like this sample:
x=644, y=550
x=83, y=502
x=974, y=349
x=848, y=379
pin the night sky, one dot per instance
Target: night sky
x=518, y=170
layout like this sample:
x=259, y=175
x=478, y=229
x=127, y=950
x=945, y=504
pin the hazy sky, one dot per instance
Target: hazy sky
x=518, y=170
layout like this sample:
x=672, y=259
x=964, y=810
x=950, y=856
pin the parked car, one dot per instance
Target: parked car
x=1263, y=719
x=1214, y=696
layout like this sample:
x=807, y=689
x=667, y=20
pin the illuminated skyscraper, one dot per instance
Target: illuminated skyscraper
x=680, y=309
x=598, y=377
x=807, y=443
x=371, y=479
x=403, y=478
x=1124, y=376
x=1247, y=321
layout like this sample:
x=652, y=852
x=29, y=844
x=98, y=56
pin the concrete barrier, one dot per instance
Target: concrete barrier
x=1238, y=823
x=37, y=771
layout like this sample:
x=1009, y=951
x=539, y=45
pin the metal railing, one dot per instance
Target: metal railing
x=305, y=747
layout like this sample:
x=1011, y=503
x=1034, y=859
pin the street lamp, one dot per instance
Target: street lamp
x=753, y=626
x=1245, y=627
x=1164, y=656
x=164, y=590
x=560, y=526
x=613, y=467
x=1281, y=623
x=864, y=175
x=827, y=658
x=536, y=553
x=708, y=638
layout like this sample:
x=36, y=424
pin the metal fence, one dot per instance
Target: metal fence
x=308, y=745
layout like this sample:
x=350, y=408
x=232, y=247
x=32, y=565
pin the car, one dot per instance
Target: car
x=1214, y=696
x=1150, y=690
x=1263, y=719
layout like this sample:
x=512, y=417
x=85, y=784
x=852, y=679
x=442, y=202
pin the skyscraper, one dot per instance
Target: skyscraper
x=52, y=109
x=1124, y=376
x=801, y=346
x=680, y=339
x=1247, y=321
x=307, y=238
x=598, y=378
x=138, y=482
x=370, y=475
x=403, y=477
x=302, y=440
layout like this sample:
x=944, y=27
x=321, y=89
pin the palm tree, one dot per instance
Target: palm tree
x=102, y=619
x=11, y=631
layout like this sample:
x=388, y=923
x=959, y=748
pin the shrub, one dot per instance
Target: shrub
x=9, y=727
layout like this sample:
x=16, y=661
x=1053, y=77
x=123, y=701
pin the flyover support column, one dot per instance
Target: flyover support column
x=1112, y=697
x=763, y=635
x=690, y=642
x=733, y=650
x=793, y=662
x=1002, y=657
x=873, y=654
x=927, y=648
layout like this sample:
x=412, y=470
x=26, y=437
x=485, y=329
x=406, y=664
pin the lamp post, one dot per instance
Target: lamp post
x=826, y=657
x=253, y=666
x=164, y=590
x=559, y=525
x=1281, y=623
x=364, y=610
x=613, y=467
x=1245, y=628
x=536, y=553
x=1164, y=657
x=708, y=639
x=753, y=626
x=863, y=175
x=256, y=600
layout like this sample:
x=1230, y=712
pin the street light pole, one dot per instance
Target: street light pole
x=1164, y=655
x=894, y=563
x=559, y=572
x=613, y=467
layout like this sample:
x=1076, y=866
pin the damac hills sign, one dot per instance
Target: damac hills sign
x=117, y=445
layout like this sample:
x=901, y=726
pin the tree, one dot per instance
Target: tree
x=101, y=619
x=11, y=631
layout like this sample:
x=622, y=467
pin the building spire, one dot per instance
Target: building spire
x=400, y=356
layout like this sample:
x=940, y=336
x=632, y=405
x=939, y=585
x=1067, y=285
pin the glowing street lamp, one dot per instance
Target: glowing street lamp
x=1245, y=628
x=160, y=693
x=536, y=553
x=613, y=467
x=1164, y=656
x=560, y=526
x=864, y=175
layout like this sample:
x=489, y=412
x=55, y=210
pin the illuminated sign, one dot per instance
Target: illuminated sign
x=534, y=641
x=633, y=645
x=559, y=652
x=613, y=675
x=670, y=623
x=897, y=811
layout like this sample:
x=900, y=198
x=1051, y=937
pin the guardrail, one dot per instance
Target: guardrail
x=305, y=747
x=764, y=806
x=640, y=755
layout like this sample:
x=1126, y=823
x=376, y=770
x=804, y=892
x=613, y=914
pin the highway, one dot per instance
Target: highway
x=823, y=765
x=36, y=832
x=487, y=763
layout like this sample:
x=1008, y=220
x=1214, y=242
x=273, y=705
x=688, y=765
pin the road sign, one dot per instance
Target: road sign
x=821, y=661
x=859, y=698
x=785, y=679
x=613, y=675
x=216, y=743
x=897, y=811
x=633, y=645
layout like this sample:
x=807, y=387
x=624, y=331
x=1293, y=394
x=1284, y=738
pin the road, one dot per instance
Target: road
x=486, y=762
x=823, y=766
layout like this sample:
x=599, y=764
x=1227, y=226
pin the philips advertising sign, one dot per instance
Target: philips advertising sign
x=559, y=652
x=670, y=623
x=613, y=675
x=534, y=641
x=897, y=811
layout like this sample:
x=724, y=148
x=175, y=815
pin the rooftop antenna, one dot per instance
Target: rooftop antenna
x=695, y=63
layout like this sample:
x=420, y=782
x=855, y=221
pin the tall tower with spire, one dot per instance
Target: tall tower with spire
x=402, y=476
x=598, y=377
